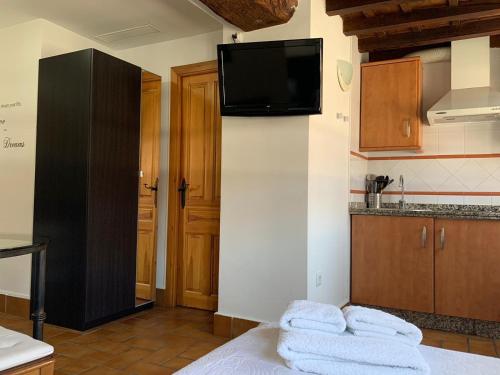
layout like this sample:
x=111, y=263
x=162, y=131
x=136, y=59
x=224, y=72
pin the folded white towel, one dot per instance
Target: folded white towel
x=362, y=321
x=313, y=316
x=346, y=354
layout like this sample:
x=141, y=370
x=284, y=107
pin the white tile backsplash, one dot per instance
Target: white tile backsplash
x=451, y=139
x=450, y=199
x=482, y=138
x=477, y=200
x=471, y=174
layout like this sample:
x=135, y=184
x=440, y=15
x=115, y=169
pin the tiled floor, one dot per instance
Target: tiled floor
x=161, y=341
x=157, y=341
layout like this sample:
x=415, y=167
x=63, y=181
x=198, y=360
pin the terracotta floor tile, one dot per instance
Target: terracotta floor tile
x=68, y=349
x=198, y=350
x=163, y=355
x=79, y=365
x=108, y=346
x=61, y=361
x=142, y=368
x=146, y=343
x=61, y=337
x=102, y=371
x=177, y=363
x=127, y=358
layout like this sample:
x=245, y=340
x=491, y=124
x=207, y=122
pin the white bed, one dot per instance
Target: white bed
x=255, y=353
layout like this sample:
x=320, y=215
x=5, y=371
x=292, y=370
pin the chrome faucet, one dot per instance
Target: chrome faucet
x=402, y=202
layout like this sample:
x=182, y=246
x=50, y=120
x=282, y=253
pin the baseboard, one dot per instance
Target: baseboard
x=15, y=306
x=231, y=327
x=161, y=298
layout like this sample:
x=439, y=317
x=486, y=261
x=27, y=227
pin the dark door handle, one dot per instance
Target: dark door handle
x=182, y=189
x=153, y=189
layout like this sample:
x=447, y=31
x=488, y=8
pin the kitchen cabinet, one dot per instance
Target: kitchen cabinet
x=443, y=266
x=468, y=268
x=393, y=262
x=391, y=100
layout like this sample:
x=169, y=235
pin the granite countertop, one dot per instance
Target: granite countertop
x=430, y=210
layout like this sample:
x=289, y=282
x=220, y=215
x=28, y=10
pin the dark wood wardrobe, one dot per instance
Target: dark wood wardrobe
x=86, y=185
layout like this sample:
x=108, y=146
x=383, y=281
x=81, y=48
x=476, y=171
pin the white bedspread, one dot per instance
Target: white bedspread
x=254, y=353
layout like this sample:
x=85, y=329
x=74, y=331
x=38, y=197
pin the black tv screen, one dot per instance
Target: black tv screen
x=270, y=78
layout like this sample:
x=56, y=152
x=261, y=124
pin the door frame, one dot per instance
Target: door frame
x=174, y=178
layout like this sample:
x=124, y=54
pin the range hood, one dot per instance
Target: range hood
x=479, y=104
x=471, y=99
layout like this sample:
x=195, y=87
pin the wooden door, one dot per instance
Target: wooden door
x=198, y=260
x=392, y=262
x=391, y=105
x=468, y=268
x=148, y=185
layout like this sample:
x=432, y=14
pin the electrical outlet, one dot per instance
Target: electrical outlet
x=319, y=279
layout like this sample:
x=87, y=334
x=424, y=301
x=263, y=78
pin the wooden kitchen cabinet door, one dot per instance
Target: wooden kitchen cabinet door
x=468, y=268
x=391, y=96
x=393, y=262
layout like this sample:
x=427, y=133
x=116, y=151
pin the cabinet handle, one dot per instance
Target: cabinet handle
x=424, y=236
x=407, y=128
x=442, y=238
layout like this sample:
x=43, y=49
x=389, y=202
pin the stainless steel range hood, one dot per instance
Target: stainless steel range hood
x=479, y=104
x=471, y=99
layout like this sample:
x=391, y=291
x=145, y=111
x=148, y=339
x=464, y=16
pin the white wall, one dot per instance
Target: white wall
x=263, y=243
x=285, y=192
x=328, y=193
x=19, y=82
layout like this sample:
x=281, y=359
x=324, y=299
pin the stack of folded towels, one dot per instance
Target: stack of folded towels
x=322, y=339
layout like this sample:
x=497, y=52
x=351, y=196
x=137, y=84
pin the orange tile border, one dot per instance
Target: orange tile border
x=457, y=193
x=354, y=153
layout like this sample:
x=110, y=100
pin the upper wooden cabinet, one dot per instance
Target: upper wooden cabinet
x=391, y=100
x=393, y=262
x=468, y=268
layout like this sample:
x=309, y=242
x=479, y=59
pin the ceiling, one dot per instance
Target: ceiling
x=168, y=19
x=395, y=24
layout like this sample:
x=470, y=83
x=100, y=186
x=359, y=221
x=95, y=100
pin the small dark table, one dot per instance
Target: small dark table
x=13, y=247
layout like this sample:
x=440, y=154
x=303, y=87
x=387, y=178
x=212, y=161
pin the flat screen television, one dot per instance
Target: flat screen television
x=278, y=78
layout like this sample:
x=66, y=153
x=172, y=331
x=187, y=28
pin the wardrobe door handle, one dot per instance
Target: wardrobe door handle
x=407, y=128
x=442, y=238
x=424, y=236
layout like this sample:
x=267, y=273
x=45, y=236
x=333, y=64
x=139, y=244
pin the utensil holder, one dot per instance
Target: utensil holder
x=374, y=200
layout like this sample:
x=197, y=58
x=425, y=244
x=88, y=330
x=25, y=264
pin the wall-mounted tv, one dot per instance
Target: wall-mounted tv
x=278, y=78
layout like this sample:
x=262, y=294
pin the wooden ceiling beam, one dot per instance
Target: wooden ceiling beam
x=342, y=7
x=251, y=15
x=418, y=18
x=467, y=30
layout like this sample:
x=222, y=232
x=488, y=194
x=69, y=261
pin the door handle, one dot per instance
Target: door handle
x=407, y=128
x=182, y=189
x=154, y=189
x=442, y=238
x=424, y=236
